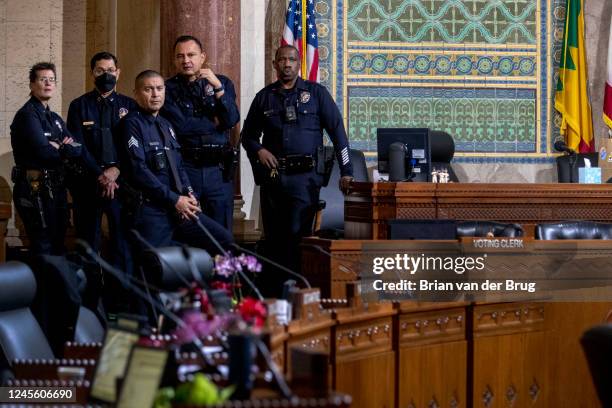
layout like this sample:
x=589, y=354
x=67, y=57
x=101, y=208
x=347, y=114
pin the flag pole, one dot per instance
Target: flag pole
x=304, y=42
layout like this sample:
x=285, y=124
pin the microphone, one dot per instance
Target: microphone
x=280, y=380
x=151, y=248
x=224, y=252
x=561, y=146
x=275, y=264
x=192, y=266
x=140, y=293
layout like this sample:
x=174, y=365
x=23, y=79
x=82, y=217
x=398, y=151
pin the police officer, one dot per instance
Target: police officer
x=201, y=106
x=91, y=120
x=152, y=166
x=40, y=144
x=292, y=114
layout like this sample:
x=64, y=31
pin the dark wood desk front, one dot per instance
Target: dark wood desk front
x=484, y=354
x=370, y=205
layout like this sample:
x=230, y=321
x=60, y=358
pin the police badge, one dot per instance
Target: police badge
x=59, y=125
x=172, y=133
x=209, y=90
x=122, y=112
x=304, y=97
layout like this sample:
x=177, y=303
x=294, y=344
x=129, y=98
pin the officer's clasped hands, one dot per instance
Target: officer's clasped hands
x=188, y=207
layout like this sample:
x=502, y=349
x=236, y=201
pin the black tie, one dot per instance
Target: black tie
x=170, y=156
x=108, y=152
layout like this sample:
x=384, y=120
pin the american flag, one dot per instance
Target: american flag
x=295, y=26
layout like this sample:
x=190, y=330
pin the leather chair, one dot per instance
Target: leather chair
x=20, y=334
x=168, y=269
x=574, y=230
x=568, y=172
x=597, y=345
x=482, y=228
x=442, y=148
x=330, y=222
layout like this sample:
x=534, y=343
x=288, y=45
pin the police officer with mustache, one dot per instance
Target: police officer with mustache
x=201, y=105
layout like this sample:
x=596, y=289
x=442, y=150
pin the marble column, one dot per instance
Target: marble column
x=215, y=22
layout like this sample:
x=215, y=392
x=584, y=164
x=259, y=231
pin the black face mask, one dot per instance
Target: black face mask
x=105, y=82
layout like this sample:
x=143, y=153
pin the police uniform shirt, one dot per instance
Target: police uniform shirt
x=141, y=141
x=88, y=126
x=316, y=110
x=192, y=107
x=32, y=129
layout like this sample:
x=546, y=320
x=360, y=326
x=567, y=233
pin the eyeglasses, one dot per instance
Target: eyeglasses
x=100, y=71
x=50, y=80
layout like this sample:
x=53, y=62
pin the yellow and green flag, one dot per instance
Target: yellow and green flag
x=571, y=98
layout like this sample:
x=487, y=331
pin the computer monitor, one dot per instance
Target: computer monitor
x=418, y=154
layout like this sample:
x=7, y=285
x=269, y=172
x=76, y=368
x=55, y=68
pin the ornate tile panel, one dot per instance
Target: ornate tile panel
x=480, y=69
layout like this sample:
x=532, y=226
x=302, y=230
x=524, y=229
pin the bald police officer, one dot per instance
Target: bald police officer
x=153, y=167
x=291, y=114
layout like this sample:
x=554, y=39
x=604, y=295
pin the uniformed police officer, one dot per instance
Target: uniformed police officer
x=201, y=106
x=292, y=114
x=40, y=144
x=152, y=165
x=91, y=120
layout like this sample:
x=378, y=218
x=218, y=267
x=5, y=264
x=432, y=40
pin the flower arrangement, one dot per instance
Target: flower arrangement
x=201, y=320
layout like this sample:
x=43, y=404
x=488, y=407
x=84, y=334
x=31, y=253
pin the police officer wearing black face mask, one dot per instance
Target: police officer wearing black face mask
x=94, y=180
x=291, y=114
x=41, y=143
x=201, y=106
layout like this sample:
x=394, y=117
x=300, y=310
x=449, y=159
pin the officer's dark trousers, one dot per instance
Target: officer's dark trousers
x=215, y=195
x=88, y=208
x=162, y=228
x=288, y=209
x=47, y=240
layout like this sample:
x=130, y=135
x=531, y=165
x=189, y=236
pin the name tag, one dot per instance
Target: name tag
x=89, y=123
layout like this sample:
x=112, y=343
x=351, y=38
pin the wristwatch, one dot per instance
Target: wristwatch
x=219, y=89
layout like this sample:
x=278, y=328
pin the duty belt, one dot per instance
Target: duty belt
x=295, y=163
x=54, y=177
x=206, y=155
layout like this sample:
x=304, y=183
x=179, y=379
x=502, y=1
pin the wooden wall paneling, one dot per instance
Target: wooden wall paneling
x=369, y=380
x=567, y=361
x=433, y=375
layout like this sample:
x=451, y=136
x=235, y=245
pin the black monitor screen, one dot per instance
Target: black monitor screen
x=417, y=143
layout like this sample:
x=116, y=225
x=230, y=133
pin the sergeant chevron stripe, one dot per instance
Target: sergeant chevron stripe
x=133, y=142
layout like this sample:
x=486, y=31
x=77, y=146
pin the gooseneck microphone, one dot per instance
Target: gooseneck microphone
x=139, y=292
x=224, y=252
x=275, y=264
x=561, y=146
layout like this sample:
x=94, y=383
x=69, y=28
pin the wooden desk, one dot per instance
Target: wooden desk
x=484, y=354
x=370, y=205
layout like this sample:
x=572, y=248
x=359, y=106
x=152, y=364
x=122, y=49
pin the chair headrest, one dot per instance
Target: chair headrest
x=574, y=230
x=17, y=286
x=167, y=267
x=442, y=146
x=483, y=228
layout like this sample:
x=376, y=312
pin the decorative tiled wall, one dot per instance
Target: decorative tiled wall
x=479, y=69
